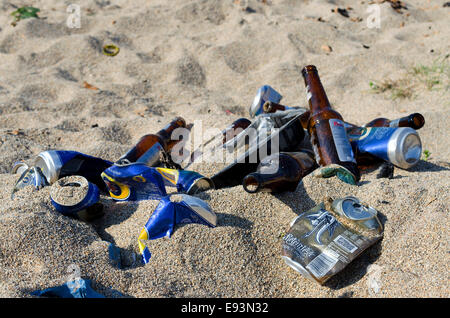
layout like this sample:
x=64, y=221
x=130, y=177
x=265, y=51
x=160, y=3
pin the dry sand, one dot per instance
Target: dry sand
x=205, y=60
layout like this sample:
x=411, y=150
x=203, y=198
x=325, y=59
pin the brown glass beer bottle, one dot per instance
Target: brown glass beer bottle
x=235, y=128
x=280, y=172
x=327, y=132
x=148, y=148
x=415, y=121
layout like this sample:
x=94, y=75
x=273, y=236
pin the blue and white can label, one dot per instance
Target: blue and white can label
x=134, y=182
x=171, y=211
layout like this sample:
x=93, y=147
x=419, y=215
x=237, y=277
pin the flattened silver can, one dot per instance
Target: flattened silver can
x=325, y=239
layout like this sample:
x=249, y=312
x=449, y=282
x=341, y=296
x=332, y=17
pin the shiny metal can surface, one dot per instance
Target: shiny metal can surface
x=56, y=164
x=401, y=146
x=265, y=93
x=326, y=238
x=186, y=181
x=51, y=162
x=173, y=210
x=29, y=176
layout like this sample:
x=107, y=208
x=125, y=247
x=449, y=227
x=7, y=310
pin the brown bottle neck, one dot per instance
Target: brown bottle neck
x=167, y=131
x=239, y=123
x=292, y=167
x=271, y=107
x=235, y=128
x=304, y=158
x=149, y=141
x=304, y=119
x=316, y=96
x=415, y=121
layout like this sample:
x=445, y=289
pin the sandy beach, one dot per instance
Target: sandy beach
x=204, y=61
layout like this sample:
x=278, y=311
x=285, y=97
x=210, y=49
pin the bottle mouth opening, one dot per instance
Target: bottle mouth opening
x=309, y=68
x=267, y=107
x=251, y=184
x=418, y=120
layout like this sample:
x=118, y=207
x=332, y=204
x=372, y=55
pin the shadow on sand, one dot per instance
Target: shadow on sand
x=426, y=166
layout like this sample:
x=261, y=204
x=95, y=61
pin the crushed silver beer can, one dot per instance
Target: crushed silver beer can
x=325, y=239
x=401, y=145
x=30, y=176
x=265, y=93
x=287, y=135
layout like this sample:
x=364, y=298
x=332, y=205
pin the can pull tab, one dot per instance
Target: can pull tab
x=352, y=208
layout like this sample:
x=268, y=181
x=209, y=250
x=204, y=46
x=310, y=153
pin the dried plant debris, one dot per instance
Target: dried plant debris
x=89, y=86
x=327, y=48
x=434, y=77
x=401, y=88
x=345, y=13
x=341, y=11
x=397, y=5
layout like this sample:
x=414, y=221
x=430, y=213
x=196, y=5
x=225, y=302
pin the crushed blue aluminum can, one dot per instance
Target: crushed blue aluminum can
x=185, y=181
x=56, y=164
x=401, y=146
x=171, y=211
x=30, y=176
x=137, y=181
x=134, y=182
x=79, y=288
x=265, y=93
x=72, y=194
